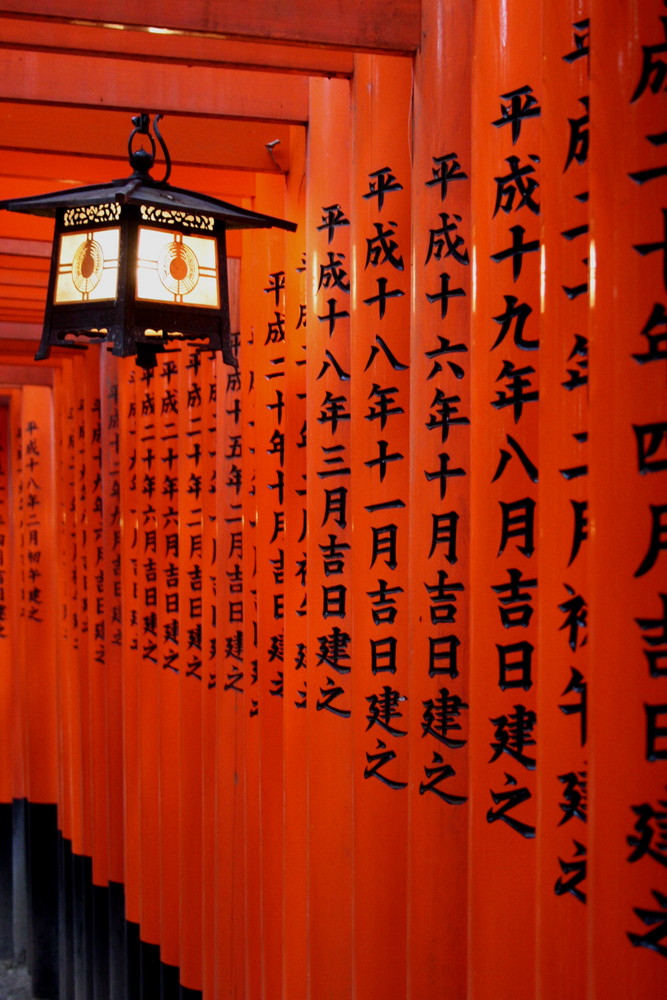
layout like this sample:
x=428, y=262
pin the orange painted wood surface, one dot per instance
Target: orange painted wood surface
x=326, y=684
x=354, y=666
x=440, y=525
x=627, y=483
x=38, y=78
x=379, y=459
x=213, y=143
x=504, y=539
x=6, y=604
x=296, y=590
x=147, y=46
x=372, y=26
x=563, y=463
x=35, y=523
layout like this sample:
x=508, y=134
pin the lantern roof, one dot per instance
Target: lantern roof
x=141, y=189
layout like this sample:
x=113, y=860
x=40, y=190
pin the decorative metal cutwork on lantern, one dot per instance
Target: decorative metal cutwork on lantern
x=137, y=263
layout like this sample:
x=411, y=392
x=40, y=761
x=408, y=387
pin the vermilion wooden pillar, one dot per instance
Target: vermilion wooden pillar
x=233, y=680
x=36, y=523
x=326, y=685
x=504, y=540
x=296, y=584
x=262, y=538
x=129, y=548
x=18, y=721
x=266, y=719
x=212, y=383
x=111, y=374
x=69, y=799
x=439, y=508
x=380, y=473
x=38, y=552
x=92, y=497
x=167, y=471
x=151, y=617
x=7, y=606
x=563, y=462
x=193, y=410
x=628, y=479
x=75, y=689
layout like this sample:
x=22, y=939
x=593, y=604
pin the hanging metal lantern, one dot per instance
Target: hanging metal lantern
x=137, y=263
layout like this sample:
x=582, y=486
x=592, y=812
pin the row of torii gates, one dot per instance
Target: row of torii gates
x=342, y=673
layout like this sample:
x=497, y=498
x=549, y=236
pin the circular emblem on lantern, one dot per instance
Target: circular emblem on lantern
x=87, y=266
x=178, y=268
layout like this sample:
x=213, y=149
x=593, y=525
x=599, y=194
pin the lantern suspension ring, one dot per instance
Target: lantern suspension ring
x=141, y=160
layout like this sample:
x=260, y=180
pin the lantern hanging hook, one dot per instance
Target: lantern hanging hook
x=165, y=151
x=142, y=160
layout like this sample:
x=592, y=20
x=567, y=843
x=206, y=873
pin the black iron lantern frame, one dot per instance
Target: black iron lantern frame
x=137, y=263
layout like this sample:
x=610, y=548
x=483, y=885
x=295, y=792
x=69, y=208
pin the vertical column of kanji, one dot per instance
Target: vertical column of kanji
x=80, y=691
x=271, y=420
x=563, y=497
x=39, y=554
x=439, y=505
x=295, y=876
x=328, y=694
x=170, y=621
x=7, y=611
x=130, y=499
x=504, y=441
x=153, y=587
x=111, y=374
x=212, y=383
x=253, y=331
x=628, y=482
x=232, y=670
x=380, y=367
x=18, y=586
x=96, y=715
x=69, y=621
x=191, y=455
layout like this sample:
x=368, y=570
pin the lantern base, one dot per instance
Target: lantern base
x=142, y=344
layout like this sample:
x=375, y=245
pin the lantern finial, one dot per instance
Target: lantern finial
x=142, y=160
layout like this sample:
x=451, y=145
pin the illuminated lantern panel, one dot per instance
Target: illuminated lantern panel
x=177, y=268
x=87, y=266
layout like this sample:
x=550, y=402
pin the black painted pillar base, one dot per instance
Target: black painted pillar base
x=65, y=919
x=74, y=934
x=42, y=871
x=133, y=961
x=100, y=941
x=170, y=988
x=187, y=994
x=20, y=879
x=6, y=882
x=149, y=956
x=117, y=945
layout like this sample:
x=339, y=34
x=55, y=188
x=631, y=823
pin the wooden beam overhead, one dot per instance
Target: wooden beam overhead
x=147, y=46
x=207, y=145
x=88, y=82
x=373, y=25
x=30, y=374
x=34, y=250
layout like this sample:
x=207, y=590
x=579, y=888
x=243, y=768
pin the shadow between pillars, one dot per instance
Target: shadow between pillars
x=78, y=944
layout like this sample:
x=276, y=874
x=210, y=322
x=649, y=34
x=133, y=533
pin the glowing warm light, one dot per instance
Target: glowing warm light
x=176, y=268
x=88, y=266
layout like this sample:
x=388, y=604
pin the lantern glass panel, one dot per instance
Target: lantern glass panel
x=177, y=268
x=87, y=266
